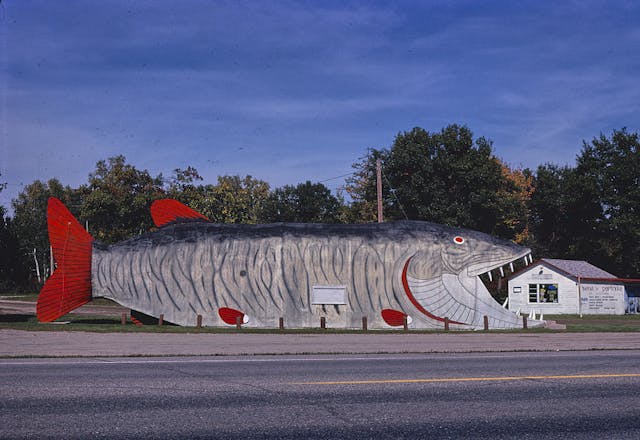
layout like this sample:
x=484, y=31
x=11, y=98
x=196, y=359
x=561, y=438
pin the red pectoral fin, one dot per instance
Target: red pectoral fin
x=229, y=316
x=394, y=318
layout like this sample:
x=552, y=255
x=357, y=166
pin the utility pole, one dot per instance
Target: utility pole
x=379, y=188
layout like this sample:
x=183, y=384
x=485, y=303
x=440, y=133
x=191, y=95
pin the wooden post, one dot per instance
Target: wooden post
x=405, y=323
x=199, y=321
x=281, y=323
x=323, y=323
x=486, y=323
x=161, y=319
x=238, y=322
x=123, y=319
x=446, y=324
x=524, y=322
x=364, y=323
x=379, y=189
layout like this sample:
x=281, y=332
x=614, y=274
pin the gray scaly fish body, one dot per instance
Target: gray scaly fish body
x=424, y=270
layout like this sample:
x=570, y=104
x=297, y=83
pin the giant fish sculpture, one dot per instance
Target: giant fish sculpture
x=411, y=272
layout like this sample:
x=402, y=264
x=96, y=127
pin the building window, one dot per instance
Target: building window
x=543, y=293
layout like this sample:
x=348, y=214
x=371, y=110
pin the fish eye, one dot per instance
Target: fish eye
x=458, y=240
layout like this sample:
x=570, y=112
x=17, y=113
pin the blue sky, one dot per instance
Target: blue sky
x=290, y=91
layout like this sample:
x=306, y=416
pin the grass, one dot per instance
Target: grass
x=112, y=323
x=19, y=296
x=598, y=323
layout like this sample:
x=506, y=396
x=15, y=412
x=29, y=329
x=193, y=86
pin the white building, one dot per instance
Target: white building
x=551, y=286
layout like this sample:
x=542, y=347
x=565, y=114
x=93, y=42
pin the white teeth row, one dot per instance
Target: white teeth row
x=528, y=259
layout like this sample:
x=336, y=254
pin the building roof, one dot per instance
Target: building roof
x=578, y=268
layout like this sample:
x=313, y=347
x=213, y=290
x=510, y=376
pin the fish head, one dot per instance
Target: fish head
x=462, y=252
x=441, y=279
x=472, y=253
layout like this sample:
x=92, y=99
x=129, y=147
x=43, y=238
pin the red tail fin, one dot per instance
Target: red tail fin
x=165, y=211
x=70, y=285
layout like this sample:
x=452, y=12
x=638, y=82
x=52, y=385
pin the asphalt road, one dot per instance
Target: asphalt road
x=566, y=395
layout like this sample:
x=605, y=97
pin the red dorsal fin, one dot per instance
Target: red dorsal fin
x=70, y=285
x=166, y=211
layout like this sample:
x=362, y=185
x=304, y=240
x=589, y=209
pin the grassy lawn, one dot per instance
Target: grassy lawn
x=19, y=296
x=112, y=323
x=598, y=323
x=106, y=324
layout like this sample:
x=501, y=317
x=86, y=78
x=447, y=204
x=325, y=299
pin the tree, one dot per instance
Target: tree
x=444, y=177
x=29, y=225
x=611, y=167
x=592, y=211
x=182, y=186
x=304, y=203
x=234, y=199
x=12, y=274
x=117, y=198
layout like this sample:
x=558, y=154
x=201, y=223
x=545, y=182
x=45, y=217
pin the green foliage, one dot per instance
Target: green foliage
x=234, y=199
x=29, y=224
x=592, y=211
x=116, y=201
x=444, y=177
x=610, y=168
x=182, y=187
x=304, y=203
x=12, y=274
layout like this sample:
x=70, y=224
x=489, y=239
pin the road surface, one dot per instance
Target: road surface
x=564, y=395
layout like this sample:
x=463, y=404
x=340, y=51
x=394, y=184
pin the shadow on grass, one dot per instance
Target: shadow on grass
x=15, y=318
x=98, y=321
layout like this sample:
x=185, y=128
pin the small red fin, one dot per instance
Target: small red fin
x=165, y=211
x=394, y=318
x=229, y=315
x=70, y=285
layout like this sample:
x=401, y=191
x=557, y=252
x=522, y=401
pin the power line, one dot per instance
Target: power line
x=393, y=191
x=334, y=178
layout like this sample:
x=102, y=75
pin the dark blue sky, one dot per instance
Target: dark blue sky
x=289, y=91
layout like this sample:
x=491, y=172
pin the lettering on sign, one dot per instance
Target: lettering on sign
x=602, y=299
x=542, y=276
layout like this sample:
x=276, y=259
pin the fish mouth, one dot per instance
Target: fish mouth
x=461, y=299
x=499, y=264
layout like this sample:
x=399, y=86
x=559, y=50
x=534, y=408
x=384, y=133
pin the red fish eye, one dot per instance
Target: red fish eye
x=458, y=240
